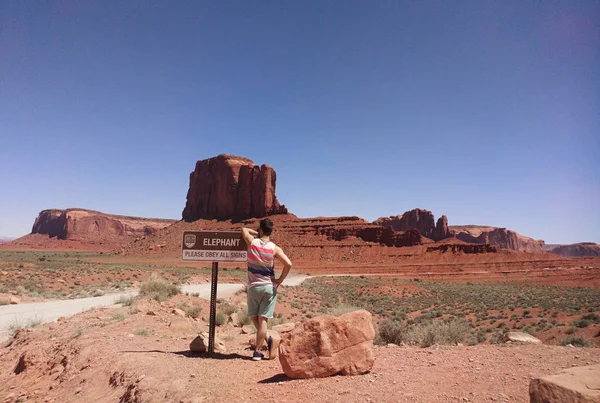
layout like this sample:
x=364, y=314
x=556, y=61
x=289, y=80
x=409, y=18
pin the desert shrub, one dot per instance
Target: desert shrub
x=141, y=332
x=228, y=337
x=158, y=290
x=341, y=309
x=227, y=308
x=118, y=316
x=192, y=311
x=581, y=323
x=243, y=315
x=221, y=318
x=577, y=341
x=391, y=331
x=592, y=317
x=570, y=330
x=4, y=301
x=125, y=300
x=496, y=338
x=439, y=332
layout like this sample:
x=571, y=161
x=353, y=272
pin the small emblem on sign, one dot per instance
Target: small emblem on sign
x=189, y=240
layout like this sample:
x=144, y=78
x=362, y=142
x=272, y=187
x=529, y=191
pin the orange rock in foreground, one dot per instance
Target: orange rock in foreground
x=327, y=345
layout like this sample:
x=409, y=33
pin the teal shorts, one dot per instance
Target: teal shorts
x=261, y=301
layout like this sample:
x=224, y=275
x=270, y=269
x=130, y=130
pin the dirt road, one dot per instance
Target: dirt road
x=24, y=315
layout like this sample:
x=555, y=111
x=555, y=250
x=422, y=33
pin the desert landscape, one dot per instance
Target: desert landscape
x=478, y=312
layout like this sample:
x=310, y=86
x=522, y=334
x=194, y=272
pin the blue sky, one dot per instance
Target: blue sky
x=488, y=112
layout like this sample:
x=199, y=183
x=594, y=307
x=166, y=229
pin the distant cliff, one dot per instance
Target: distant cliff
x=420, y=220
x=577, y=249
x=498, y=237
x=84, y=224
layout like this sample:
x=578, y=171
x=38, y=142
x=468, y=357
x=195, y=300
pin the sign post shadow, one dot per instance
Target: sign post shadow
x=215, y=247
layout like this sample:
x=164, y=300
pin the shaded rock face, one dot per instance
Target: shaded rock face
x=228, y=187
x=441, y=229
x=420, y=220
x=498, y=237
x=574, y=385
x=370, y=233
x=86, y=224
x=578, y=249
x=327, y=345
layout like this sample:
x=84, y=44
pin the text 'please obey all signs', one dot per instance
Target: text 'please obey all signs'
x=214, y=246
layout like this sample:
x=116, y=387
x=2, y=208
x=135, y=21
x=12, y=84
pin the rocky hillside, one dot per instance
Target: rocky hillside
x=577, y=249
x=229, y=187
x=498, y=237
x=81, y=224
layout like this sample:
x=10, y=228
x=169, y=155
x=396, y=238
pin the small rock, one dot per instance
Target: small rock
x=151, y=313
x=247, y=329
x=78, y=391
x=234, y=319
x=14, y=300
x=391, y=345
x=179, y=312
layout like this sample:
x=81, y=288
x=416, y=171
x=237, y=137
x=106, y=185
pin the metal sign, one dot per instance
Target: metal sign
x=214, y=246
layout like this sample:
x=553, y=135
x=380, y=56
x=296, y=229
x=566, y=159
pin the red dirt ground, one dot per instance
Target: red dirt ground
x=101, y=355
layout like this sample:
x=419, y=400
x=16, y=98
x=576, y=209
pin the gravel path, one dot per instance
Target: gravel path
x=24, y=315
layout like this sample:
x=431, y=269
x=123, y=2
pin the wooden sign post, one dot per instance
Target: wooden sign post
x=215, y=247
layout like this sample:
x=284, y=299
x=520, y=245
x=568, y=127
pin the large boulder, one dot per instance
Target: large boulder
x=328, y=345
x=228, y=187
x=574, y=385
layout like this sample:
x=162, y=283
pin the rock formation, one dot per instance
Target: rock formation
x=441, y=229
x=577, y=249
x=228, y=187
x=419, y=219
x=327, y=345
x=86, y=224
x=498, y=237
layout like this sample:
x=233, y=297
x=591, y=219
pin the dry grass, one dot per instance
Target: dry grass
x=158, y=289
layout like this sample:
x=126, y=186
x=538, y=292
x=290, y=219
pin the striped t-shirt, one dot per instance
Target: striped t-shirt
x=260, y=263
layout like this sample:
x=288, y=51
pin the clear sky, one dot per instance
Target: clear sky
x=486, y=111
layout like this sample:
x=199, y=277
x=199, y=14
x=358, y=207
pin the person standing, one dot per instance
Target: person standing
x=262, y=284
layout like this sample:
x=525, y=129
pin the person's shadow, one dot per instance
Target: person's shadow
x=190, y=354
x=216, y=356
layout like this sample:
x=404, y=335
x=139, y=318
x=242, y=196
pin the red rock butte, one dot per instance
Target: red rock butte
x=227, y=187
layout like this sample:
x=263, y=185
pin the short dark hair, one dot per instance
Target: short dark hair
x=266, y=226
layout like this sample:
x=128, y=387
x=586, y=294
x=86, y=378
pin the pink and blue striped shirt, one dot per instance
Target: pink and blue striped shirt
x=261, y=263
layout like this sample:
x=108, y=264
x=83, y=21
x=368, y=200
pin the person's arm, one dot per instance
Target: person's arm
x=249, y=235
x=287, y=265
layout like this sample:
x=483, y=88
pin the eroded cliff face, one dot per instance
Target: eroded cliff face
x=498, y=237
x=84, y=224
x=228, y=187
x=578, y=249
x=420, y=220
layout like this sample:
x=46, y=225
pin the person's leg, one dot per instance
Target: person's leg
x=261, y=331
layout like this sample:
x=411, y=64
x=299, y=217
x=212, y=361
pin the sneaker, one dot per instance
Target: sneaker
x=257, y=356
